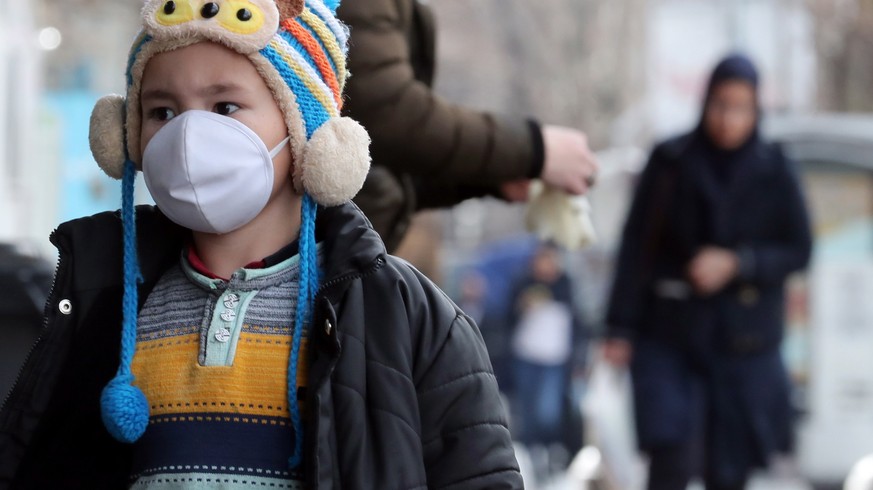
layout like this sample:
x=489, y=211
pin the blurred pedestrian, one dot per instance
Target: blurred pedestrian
x=717, y=224
x=426, y=151
x=473, y=302
x=546, y=338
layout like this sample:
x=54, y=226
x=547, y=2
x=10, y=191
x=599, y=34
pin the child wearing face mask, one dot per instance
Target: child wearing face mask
x=250, y=331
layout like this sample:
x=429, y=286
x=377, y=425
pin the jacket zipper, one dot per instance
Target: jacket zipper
x=45, y=315
x=378, y=264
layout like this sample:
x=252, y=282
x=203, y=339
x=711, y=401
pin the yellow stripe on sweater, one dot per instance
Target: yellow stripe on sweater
x=172, y=379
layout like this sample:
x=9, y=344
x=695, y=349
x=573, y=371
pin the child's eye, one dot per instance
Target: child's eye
x=225, y=108
x=162, y=114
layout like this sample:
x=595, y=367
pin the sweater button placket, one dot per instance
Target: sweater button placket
x=223, y=335
x=231, y=301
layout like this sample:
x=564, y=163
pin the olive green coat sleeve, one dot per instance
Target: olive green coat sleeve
x=414, y=131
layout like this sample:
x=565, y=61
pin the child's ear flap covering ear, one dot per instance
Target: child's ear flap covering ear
x=107, y=135
x=335, y=162
x=290, y=8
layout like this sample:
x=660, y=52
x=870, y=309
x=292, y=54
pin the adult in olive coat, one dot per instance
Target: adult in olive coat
x=426, y=151
x=717, y=225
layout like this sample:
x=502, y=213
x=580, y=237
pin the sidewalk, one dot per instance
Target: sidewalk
x=782, y=476
x=763, y=482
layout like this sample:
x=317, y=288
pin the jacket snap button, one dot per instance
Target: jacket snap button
x=65, y=306
x=328, y=327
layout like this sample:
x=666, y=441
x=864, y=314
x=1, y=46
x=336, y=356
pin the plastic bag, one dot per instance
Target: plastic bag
x=609, y=422
x=554, y=215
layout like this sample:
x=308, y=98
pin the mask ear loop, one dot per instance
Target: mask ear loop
x=281, y=146
x=124, y=407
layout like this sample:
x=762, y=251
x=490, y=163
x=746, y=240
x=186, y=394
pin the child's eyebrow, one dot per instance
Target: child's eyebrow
x=156, y=94
x=211, y=90
x=221, y=88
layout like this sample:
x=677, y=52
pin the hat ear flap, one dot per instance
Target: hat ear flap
x=335, y=163
x=107, y=135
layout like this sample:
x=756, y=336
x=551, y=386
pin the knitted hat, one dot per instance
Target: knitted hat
x=299, y=48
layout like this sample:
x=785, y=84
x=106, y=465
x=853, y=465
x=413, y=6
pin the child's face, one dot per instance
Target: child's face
x=210, y=77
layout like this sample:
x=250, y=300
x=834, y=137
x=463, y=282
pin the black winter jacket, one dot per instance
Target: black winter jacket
x=402, y=396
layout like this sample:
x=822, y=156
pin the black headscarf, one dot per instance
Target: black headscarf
x=735, y=67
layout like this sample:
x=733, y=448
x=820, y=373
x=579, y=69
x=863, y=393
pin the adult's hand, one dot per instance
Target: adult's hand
x=617, y=352
x=712, y=269
x=570, y=164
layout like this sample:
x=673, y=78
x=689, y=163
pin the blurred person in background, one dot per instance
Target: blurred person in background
x=25, y=281
x=546, y=341
x=472, y=300
x=427, y=152
x=717, y=224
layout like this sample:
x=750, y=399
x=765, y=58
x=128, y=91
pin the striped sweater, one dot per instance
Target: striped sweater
x=212, y=359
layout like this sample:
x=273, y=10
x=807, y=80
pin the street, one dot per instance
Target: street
x=783, y=475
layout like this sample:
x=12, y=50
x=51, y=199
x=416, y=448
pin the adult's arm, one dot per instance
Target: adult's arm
x=414, y=131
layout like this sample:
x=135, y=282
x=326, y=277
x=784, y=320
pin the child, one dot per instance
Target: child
x=267, y=339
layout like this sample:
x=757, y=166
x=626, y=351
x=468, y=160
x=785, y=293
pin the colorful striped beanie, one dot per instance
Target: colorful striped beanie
x=299, y=48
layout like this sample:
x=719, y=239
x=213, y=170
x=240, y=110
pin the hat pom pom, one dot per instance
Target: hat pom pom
x=125, y=409
x=107, y=135
x=335, y=162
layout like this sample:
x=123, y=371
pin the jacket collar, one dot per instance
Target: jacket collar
x=94, y=244
x=351, y=245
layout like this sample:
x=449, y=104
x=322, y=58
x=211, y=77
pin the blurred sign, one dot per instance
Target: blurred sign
x=839, y=430
x=84, y=188
x=687, y=38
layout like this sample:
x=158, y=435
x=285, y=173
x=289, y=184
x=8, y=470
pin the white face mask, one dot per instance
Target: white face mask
x=209, y=173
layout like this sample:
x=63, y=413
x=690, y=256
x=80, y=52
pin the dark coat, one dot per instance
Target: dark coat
x=426, y=151
x=678, y=209
x=725, y=345
x=402, y=395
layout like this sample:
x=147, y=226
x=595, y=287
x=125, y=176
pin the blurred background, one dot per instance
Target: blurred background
x=627, y=72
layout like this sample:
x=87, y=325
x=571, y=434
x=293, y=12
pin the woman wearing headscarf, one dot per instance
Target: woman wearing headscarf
x=717, y=224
